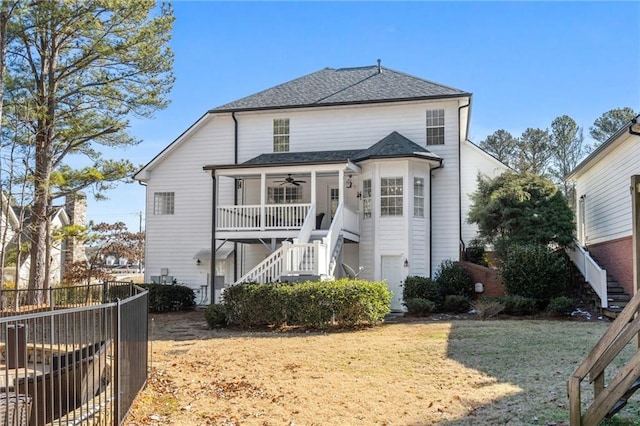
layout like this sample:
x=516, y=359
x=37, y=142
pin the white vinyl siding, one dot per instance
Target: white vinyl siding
x=605, y=186
x=474, y=161
x=280, y=135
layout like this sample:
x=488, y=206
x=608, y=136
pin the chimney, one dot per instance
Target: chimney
x=76, y=208
x=379, y=67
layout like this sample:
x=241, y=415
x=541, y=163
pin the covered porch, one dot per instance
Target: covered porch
x=301, y=213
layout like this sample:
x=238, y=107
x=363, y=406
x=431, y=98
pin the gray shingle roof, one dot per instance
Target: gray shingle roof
x=331, y=86
x=393, y=145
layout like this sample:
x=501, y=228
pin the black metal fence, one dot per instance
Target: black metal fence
x=74, y=365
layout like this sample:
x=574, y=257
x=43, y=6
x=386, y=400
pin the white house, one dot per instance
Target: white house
x=364, y=167
x=604, y=204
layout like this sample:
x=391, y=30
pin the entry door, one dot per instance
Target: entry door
x=392, y=274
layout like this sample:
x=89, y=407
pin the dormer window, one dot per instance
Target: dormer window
x=435, y=127
x=280, y=135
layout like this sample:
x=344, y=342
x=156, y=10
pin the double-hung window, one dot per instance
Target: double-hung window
x=391, y=196
x=281, y=135
x=163, y=202
x=435, y=127
x=366, y=198
x=418, y=197
x=284, y=194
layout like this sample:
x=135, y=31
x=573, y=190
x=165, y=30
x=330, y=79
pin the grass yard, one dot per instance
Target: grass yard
x=460, y=372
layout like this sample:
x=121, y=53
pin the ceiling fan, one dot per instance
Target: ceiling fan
x=290, y=180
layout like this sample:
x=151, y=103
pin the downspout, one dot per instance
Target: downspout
x=235, y=191
x=212, y=266
x=431, y=218
x=460, y=141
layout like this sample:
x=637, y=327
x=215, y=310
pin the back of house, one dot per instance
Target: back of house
x=360, y=171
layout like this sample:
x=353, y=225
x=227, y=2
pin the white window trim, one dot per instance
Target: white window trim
x=391, y=192
x=279, y=134
x=435, y=120
x=418, y=200
x=164, y=203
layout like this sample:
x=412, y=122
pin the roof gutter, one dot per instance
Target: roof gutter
x=431, y=218
x=460, y=141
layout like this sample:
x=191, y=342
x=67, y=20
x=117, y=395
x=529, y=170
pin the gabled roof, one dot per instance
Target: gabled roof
x=340, y=86
x=616, y=137
x=393, y=145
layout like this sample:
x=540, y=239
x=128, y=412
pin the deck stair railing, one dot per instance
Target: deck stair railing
x=591, y=271
x=608, y=398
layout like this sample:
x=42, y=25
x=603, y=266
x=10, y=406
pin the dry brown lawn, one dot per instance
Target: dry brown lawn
x=435, y=371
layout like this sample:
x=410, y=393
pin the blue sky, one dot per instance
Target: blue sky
x=525, y=62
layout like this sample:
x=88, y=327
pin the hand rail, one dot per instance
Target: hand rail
x=618, y=335
x=592, y=272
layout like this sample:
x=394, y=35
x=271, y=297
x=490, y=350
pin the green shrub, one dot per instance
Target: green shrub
x=456, y=304
x=165, y=298
x=534, y=271
x=419, y=307
x=454, y=280
x=316, y=304
x=487, y=308
x=561, y=305
x=519, y=306
x=415, y=287
x=476, y=253
x=215, y=315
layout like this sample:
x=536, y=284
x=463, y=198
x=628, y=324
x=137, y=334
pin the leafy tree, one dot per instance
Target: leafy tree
x=101, y=240
x=502, y=145
x=567, y=148
x=610, y=122
x=521, y=208
x=534, y=151
x=84, y=68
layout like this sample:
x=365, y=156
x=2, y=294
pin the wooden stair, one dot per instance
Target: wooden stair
x=625, y=398
x=617, y=298
x=610, y=394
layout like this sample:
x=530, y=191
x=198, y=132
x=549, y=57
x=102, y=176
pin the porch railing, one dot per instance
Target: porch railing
x=261, y=217
x=591, y=271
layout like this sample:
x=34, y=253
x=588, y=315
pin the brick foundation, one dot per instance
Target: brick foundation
x=489, y=278
x=616, y=256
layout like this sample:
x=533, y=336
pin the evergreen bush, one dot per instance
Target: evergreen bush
x=519, y=306
x=416, y=287
x=215, y=315
x=562, y=306
x=419, y=307
x=165, y=298
x=454, y=280
x=456, y=304
x=534, y=271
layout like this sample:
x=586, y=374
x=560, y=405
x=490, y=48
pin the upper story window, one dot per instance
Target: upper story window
x=284, y=194
x=163, y=202
x=280, y=135
x=418, y=197
x=391, y=191
x=366, y=198
x=435, y=127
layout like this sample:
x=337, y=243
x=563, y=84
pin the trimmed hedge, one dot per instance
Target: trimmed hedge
x=344, y=302
x=419, y=307
x=416, y=287
x=165, y=298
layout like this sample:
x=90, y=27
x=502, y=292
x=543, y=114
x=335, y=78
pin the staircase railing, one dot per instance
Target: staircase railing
x=606, y=396
x=269, y=270
x=290, y=259
x=592, y=272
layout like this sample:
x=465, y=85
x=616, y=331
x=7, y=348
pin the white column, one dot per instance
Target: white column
x=263, y=199
x=340, y=186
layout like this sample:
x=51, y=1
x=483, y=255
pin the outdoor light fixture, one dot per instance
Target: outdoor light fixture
x=349, y=182
x=198, y=262
x=634, y=128
x=406, y=263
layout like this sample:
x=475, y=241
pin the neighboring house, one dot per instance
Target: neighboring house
x=604, y=203
x=367, y=168
x=62, y=251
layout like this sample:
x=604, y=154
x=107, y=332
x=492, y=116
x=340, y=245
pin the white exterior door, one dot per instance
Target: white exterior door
x=392, y=274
